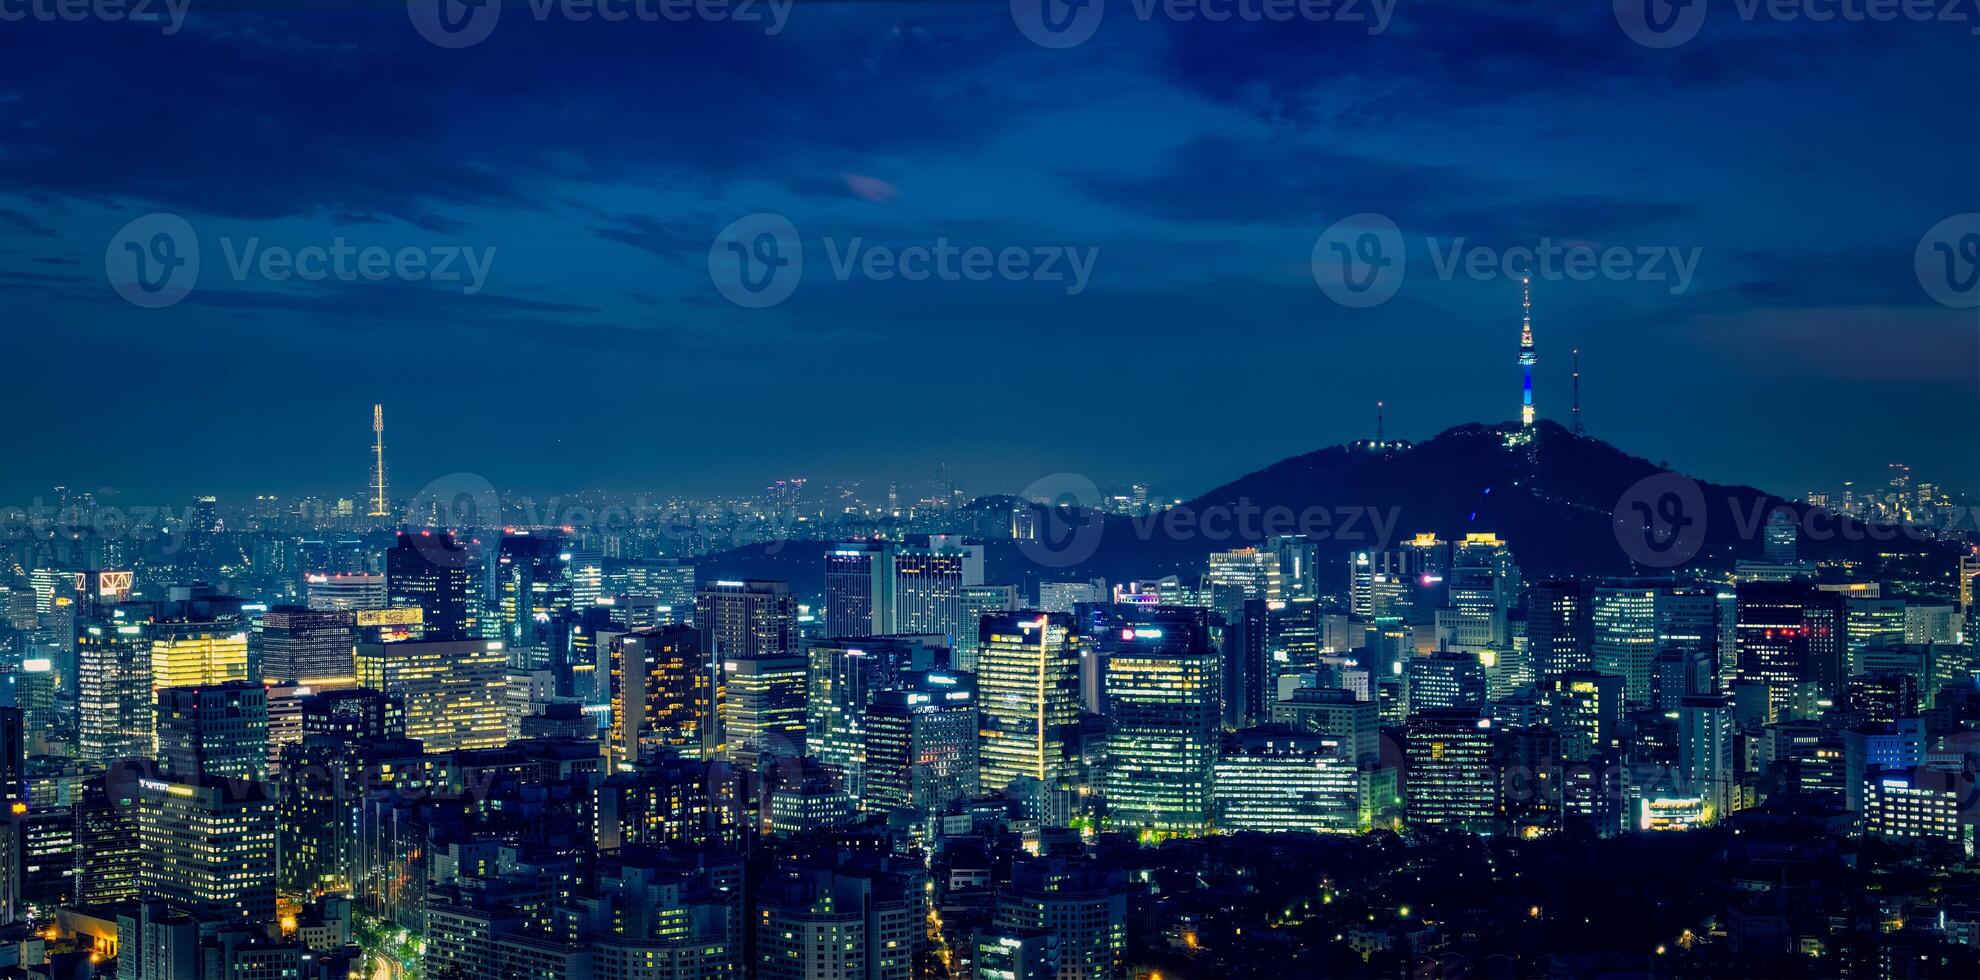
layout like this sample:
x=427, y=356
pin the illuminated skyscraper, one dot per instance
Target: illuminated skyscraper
x=195, y=652
x=1028, y=696
x=430, y=570
x=977, y=602
x=1558, y=626
x=928, y=591
x=666, y=698
x=531, y=591
x=762, y=708
x=217, y=730
x=208, y=847
x=1162, y=681
x=754, y=618
x=921, y=743
x=453, y=689
x=114, y=699
x=301, y=644
x=859, y=589
x=1254, y=572
x=1624, y=638
x=345, y=590
x=843, y=677
x=1450, y=781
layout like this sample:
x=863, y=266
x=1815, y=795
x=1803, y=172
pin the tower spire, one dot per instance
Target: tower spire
x=1526, y=354
x=378, y=505
x=1578, y=430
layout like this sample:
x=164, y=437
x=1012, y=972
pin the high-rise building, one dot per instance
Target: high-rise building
x=218, y=730
x=349, y=591
x=1586, y=708
x=1705, y=747
x=1082, y=907
x=1483, y=585
x=978, y=601
x=1450, y=780
x=813, y=923
x=430, y=570
x=762, y=708
x=1445, y=679
x=1336, y=713
x=1624, y=641
x=114, y=696
x=1162, y=693
x=1778, y=541
x=755, y=618
x=842, y=677
x=928, y=587
x=453, y=689
x=1028, y=696
x=191, y=650
x=1254, y=572
x=1559, y=626
x=1688, y=620
x=859, y=589
x=665, y=694
x=921, y=743
x=668, y=581
x=531, y=591
x=1790, y=637
x=208, y=847
x=305, y=646
x=1298, y=564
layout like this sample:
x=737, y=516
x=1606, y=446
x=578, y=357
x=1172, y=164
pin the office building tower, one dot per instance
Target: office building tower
x=191, y=650
x=1624, y=637
x=1778, y=537
x=114, y=695
x=1254, y=572
x=999, y=955
x=108, y=865
x=921, y=743
x=1482, y=587
x=1586, y=708
x=584, y=576
x=1335, y=713
x=842, y=677
x=531, y=591
x=1299, y=563
x=13, y=755
x=1705, y=750
x=300, y=645
x=670, y=582
x=665, y=700
x=762, y=706
x=1272, y=780
x=859, y=589
x=1871, y=749
x=1445, y=679
x=439, y=576
x=978, y=601
x=1688, y=620
x=452, y=689
x=1162, y=692
x=1969, y=581
x=1870, y=621
x=1450, y=780
x=739, y=620
x=928, y=591
x=348, y=591
x=1790, y=638
x=219, y=730
x=208, y=847
x=1027, y=686
x=1383, y=583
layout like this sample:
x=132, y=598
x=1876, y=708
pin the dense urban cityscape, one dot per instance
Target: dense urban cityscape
x=1018, y=490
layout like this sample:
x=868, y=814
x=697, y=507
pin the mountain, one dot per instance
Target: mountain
x=1567, y=505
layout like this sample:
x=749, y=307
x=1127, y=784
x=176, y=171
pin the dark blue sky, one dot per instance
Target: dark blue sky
x=1804, y=162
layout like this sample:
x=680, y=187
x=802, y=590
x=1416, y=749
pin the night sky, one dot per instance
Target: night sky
x=600, y=161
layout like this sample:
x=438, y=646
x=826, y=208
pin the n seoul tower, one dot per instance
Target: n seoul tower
x=1526, y=355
